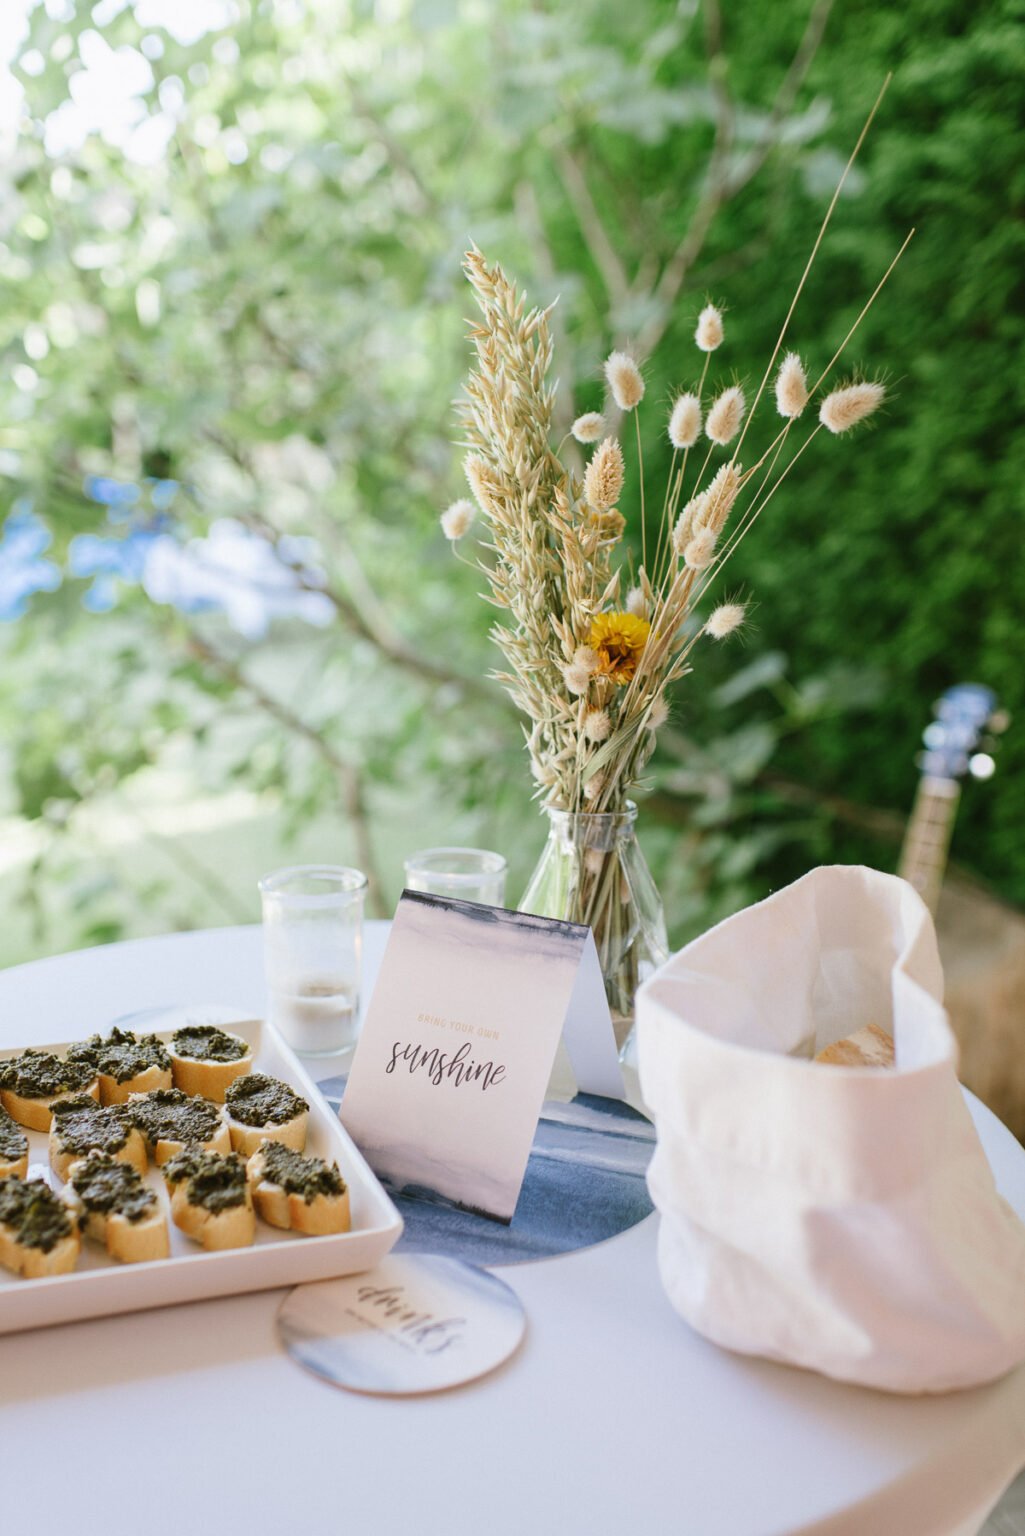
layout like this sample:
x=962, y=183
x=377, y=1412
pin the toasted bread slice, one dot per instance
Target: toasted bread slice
x=296, y=1193
x=868, y=1047
x=116, y=1209
x=210, y=1199
x=260, y=1108
x=13, y=1148
x=125, y=1063
x=30, y=1085
x=207, y=1060
x=171, y=1120
x=79, y=1125
x=39, y=1236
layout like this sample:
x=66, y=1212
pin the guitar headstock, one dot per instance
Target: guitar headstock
x=957, y=742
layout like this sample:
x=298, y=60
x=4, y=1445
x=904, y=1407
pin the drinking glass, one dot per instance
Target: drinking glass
x=471, y=874
x=313, y=951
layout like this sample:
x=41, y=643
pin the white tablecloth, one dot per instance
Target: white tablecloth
x=613, y=1417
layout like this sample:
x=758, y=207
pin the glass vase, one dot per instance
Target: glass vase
x=592, y=871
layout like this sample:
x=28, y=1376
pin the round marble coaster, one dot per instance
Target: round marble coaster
x=411, y=1325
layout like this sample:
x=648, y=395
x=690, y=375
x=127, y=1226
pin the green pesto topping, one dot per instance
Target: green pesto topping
x=205, y=1042
x=13, y=1141
x=31, y=1210
x=106, y=1186
x=216, y=1183
x=80, y=1124
x=260, y=1100
x=38, y=1075
x=122, y=1055
x=167, y=1114
x=298, y=1175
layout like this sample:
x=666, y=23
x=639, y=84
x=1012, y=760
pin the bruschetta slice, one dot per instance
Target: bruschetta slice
x=125, y=1063
x=261, y=1108
x=39, y=1236
x=13, y=1148
x=206, y=1059
x=296, y=1193
x=210, y=1198
x=171, y=1120
x=116, y=1209
x=79, y=1125
x=32, y=1082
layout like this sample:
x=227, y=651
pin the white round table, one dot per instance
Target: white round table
x=613, y=1416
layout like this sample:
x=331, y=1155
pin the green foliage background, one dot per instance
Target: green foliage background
x=271, y=314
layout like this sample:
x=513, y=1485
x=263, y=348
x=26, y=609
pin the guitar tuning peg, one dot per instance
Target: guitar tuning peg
x=981, y=766
x=998, y=721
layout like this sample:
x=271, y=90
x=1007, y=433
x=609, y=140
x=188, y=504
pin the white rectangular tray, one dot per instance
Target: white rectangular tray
x=100, y=1286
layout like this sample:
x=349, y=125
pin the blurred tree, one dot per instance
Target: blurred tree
x=232, y=309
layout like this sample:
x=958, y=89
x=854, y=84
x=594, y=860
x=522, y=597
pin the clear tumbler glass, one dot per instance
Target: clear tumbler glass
x=313, y=951
x=469, y=874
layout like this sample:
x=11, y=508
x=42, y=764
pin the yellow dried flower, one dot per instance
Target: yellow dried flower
x=709, y=333
x=685, y=421
x=588, y=427
x=722, y=621
x=723, y=421
x=624, y=380
x=604, y=476
x=619, y=638
x=597, y=725
x=844, y=408
x=699, y=552
x=458, y=519
x=791, y=387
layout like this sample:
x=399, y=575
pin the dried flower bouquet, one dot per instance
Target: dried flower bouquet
x=591, y=655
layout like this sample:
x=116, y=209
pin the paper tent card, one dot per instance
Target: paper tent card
x=456, y=1051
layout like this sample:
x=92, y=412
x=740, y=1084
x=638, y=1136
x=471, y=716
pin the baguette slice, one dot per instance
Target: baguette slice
x=868, y=1047
x=79, y=1125
x=39, y=1236
x=260, y=1108
x=125, y=1063
x=210, y=1199
x=116, y=1209
x=296, y=1193
x=171, y=1120
x=31, y=1083
x=13, y=1148
x=207, y=1060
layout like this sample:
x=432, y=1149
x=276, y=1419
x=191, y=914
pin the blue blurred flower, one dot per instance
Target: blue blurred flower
x=110, y=493
x=22, y=570
x=247, y=578
x=162, y=493
x=91, y=554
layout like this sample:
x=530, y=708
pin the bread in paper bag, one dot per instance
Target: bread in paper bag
x=839, y=1218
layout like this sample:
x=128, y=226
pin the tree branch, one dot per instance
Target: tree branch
x=720, y=184
x=785, y=96
x=349, y=777
x=592, y=227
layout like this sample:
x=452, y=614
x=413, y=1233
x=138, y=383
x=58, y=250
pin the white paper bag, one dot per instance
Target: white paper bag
x=843, y=1219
